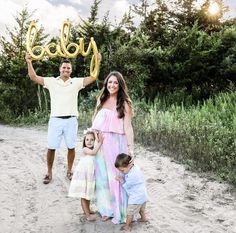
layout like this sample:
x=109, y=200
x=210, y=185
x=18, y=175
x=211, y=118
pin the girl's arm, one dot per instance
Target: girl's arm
x=94, y=151
x=129, y=129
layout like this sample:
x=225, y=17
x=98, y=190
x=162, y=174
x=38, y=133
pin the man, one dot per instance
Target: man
x=64, y=111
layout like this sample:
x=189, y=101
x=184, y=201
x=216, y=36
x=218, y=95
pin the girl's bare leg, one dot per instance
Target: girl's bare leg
x=86, y=208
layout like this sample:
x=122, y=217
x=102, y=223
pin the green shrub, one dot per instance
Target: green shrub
x=202, y=135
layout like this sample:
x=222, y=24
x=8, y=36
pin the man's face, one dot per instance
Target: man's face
x=65, y=70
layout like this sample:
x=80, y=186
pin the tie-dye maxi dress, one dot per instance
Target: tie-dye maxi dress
x=110, y=196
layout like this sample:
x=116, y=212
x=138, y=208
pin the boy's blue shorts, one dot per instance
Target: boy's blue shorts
x=58, y=127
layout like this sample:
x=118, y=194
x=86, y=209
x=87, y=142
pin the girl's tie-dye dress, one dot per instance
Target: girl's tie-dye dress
x=111, y=197
x=82, y=184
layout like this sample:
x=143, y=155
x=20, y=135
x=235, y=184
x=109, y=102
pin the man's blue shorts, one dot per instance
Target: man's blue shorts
x=58, y=127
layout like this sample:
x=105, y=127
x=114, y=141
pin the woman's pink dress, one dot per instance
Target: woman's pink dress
x=111, y=197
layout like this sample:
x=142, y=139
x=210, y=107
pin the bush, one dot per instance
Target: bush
x=202, y=135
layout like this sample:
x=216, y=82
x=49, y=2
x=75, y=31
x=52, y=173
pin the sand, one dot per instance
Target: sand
x=179, y=200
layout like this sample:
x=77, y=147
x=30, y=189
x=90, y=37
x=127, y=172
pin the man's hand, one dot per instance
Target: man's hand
x=99, y=57
x=31, y=72
x=28, y=58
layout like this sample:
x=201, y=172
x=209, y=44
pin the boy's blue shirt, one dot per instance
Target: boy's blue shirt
x=134, y=185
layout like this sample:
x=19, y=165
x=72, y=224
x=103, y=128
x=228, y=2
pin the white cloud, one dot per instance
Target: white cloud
x=51, y=13
x=49, y=16
x=118, y=9
x=78, y=2
x=52, y=23
x=9, y=8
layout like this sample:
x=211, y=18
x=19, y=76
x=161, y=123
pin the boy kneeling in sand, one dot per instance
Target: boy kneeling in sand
x=134, y=184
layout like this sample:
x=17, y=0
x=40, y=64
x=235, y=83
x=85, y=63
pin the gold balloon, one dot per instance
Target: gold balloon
x=63, y=48
x=65, y=30
x=30, y=40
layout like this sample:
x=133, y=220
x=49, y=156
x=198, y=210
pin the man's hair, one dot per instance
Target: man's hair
x=122, y=160
x=65, y=61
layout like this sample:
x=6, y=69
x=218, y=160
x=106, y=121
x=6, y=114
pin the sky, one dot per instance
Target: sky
x=52, y=13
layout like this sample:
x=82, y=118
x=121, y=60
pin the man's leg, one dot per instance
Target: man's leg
x=70, y=161
x=70, y=135
x=50, y=159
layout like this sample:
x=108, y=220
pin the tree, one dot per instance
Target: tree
x=211, y=22
x=18, y=93
x=94, y=12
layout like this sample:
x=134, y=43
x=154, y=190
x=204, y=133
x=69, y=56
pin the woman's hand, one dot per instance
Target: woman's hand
x=100, y=138
x=131, y=154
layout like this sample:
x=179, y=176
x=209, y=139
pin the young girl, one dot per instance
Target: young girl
x=83, y=180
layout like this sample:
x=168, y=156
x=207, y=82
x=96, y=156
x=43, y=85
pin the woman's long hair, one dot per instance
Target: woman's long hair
x=122, y=95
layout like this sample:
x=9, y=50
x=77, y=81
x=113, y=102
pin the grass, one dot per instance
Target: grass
x=200, y=135
x=203, y=136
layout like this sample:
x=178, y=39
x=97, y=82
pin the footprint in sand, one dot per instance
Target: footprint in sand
x=152, y=180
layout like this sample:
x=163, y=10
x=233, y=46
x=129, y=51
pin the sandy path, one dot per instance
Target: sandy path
x=180, y=201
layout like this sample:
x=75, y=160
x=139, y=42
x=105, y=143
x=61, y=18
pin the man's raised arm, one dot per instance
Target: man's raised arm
x=31, y=72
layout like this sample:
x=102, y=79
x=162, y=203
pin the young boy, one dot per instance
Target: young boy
x=134, y=184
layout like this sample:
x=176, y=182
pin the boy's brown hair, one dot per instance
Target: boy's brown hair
x=122, y=160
